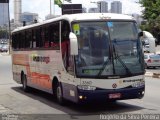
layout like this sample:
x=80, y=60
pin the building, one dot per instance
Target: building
x=84, y=10
x=17, y=11
x=28, y=17
x=3, y=14
x=102, y=6
x=116, y=7
x=93, y=10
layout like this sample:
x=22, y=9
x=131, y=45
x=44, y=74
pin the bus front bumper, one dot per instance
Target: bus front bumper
x=111, y=95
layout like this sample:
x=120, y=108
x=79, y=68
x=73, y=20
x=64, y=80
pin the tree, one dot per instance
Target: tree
x=151, y=13
x=3, y=34
x=151, y=9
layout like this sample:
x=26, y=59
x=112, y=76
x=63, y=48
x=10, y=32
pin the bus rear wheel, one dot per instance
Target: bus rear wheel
x=24, y=83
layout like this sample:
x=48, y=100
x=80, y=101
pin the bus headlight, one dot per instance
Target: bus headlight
x=86, y=87
x=138, y=84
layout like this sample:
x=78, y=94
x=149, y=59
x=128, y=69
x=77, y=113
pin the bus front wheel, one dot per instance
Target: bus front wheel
x=59, y=95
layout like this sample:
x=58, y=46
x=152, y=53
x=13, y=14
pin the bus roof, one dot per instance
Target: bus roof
x=81, y=16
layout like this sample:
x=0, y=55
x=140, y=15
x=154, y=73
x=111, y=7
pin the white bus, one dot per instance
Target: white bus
x=81, y=57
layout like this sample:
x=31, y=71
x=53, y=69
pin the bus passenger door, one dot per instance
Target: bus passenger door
x=69, y=90
x=65, y=48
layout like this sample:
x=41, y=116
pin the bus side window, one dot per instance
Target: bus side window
x=14, y=40
x=38, y=37
x=34, y=38
x=30, y=38
x=43, y=37
x=26, y=40
x=19, y=40
x=23, y=39
x=46, y=42
x=51, y=28
x=65, y=31
x=54, y=36
x=27, y=43
x=18, y=37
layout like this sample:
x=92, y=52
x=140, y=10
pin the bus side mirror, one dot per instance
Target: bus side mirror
x=140, y=34
x=73, y=44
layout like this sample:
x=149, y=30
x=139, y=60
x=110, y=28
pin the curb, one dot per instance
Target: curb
x=148, y=74
x=156, y=75
x=4, y=54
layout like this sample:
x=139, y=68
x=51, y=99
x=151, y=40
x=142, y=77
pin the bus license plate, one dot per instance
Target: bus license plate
x=115, y=95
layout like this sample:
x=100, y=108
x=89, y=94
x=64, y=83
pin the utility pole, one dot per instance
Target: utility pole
x=9, y=29
x=50, y=8
x=100, y=7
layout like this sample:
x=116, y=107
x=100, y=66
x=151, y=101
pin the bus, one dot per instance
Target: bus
x=81, y=57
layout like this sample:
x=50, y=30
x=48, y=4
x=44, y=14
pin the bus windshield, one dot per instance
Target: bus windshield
x=108, y=49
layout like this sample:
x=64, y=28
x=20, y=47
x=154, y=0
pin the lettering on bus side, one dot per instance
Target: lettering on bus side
x=41, y=59
x=86, y=82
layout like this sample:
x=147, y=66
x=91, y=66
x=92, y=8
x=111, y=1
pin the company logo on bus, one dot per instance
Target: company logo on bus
x=114, y=85
x=41, y=59
x=136, y=80
x=105, y=17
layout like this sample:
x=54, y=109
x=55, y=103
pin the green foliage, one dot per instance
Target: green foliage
x=145, y=27
x=151, y=10
x=151, y=13
x=3, y=33
x=58, y=2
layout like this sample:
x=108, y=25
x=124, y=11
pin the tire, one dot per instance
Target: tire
x=146, y=66
x=111, y=101
x=24, y=83
x=59, y=95
x=154, y=67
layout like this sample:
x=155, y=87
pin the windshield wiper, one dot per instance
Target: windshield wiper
x=103, y=67
x=120, y=60
x=116, y=58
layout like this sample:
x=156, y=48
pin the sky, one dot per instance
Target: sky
x=42, y=7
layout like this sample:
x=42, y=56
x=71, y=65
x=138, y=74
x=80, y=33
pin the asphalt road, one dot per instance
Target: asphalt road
x=41, y=106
